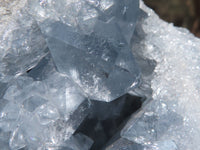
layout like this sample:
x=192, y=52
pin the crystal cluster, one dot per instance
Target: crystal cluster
x=89, y=42
x=170, y=121
x=54, y=56
x=69, y=80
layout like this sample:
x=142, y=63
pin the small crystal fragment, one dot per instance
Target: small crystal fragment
x=47, y=113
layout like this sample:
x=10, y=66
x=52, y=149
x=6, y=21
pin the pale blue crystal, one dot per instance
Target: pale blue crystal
x=91, y=46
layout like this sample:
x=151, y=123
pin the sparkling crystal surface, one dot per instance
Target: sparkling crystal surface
x=171, y=119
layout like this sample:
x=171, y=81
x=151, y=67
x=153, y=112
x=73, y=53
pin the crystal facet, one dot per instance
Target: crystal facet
x=90, y=43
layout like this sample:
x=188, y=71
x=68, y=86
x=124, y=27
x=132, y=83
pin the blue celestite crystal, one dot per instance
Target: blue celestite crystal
x=54, y=55
x=57, y=57
x=90, y=43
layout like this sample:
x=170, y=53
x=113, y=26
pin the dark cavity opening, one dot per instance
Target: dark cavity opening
x=106, y=120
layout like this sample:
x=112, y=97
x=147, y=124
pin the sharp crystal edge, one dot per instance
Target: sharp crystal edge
x=54, y=55
x=90, y=43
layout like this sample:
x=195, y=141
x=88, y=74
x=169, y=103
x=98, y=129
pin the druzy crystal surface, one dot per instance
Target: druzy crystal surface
x=96, y=74
x=171, y=119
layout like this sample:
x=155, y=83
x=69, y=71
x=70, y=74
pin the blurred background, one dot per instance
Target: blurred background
x=183, y=13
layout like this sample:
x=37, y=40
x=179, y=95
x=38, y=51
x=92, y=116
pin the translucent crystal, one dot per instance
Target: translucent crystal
x=31, y=130
x=63, y=93
x=31, y=110
x=79, y=141
x=33, y=102
x=58, y=55
x=18, y=89
x=61, y=130
x=163, y=145
x=53, y=56
x=89, y=43
x=76, y=142
x=43, y=69
x=47, y=113
x=22, y=43
x=124, y=144
x=17, y=140
x=9, y=116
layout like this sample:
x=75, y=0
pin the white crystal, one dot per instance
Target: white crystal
x=173, y=114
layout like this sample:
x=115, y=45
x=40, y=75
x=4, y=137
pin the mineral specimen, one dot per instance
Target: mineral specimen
x=69, y=80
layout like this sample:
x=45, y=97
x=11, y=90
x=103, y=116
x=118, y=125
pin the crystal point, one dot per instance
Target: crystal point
x=99, y=61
